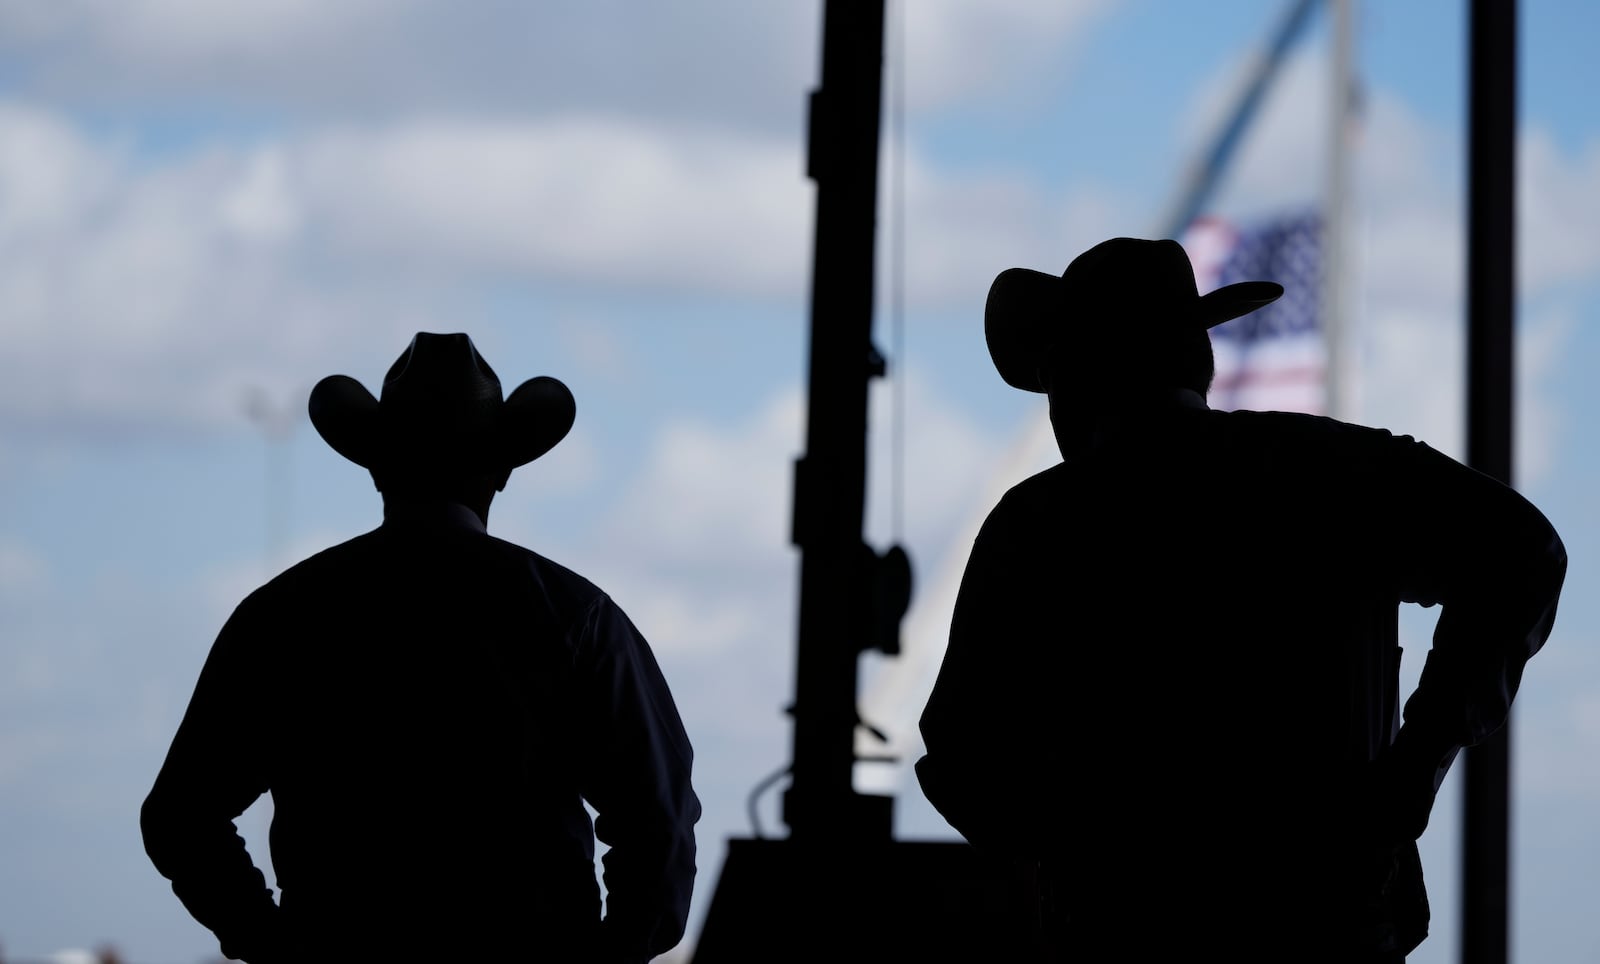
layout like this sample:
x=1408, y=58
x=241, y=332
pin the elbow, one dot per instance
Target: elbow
x=1558, y=559
x=1550, y=554
x=153, y=824
x=1541, y=568
x=160, y=826
x=1551, y=573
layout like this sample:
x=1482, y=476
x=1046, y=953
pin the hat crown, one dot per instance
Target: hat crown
x=1152, y=279
x=443, y=374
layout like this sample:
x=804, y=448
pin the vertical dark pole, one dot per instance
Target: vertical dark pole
x=830, y=478
x=1491, y=289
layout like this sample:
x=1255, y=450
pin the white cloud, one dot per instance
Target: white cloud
x=696, y=547
x=133, y=295
x=708, y=494
x=963, y=229
x=598, y=350
x=1558, y=205
x=582, y=198
x=700, y=537
x=260, y=206
x=695, y=59
x=959, y=51
x=747, y=64
x=148, y=294
x=167, y=29
x=149, y=287
x=951, y=463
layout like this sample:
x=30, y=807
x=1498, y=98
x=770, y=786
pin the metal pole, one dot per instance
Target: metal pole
x=1491, y=289
x=1337, y=404
x=1203, y=178
x=830, y=479
x=276, y=423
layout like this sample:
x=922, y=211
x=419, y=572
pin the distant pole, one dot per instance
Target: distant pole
x=1337, y=404
x=1202, y=179
x=276, y=423
x=821, y=803
x=1491, y=291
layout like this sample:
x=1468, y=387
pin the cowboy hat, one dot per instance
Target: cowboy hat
x=1145, y=287
x=440, y=405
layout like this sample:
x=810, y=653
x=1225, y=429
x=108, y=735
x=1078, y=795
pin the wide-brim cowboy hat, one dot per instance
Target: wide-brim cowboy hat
x=441, y=407
x=1119, y=292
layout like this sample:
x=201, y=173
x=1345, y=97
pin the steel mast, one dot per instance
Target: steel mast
x=839, y=887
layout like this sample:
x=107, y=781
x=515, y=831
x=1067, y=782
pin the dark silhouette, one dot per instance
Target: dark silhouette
x=1172, y=681
x=431, y=708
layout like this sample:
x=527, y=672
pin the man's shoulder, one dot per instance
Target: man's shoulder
x=1021, y=504
x=1227, y=442
x=1318, y=438
x=317, y=566
x=1300, y=424
x=562, y=583
x=485, y=559
x=1039, y=485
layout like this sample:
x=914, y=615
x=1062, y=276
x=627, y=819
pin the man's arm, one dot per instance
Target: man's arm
x=981, y=717
x=636, y=773
x=1495, y=565
x=211, y=775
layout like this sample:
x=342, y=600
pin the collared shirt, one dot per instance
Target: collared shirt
x=431, y=709
x=1173, y=660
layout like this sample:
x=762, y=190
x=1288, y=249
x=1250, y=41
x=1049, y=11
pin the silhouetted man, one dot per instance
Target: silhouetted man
x=1172, y=674
x=431, y=708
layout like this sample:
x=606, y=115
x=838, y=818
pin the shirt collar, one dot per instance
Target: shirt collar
x=439, y=514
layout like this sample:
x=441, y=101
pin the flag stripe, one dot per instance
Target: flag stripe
x=1273, y=358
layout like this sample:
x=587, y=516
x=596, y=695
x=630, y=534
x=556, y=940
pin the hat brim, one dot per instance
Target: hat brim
x=1023, y=308
x=536, y=416
x=346, y=415
x=1231, y=301
x=1024, y=314
x=532, y=420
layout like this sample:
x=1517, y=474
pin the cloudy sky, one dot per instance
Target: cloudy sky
x=204, y=208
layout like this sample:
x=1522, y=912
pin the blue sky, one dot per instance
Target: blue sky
x=198, y=201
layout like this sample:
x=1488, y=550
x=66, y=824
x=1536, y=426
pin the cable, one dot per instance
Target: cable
x=755, y=794
x=897, y=268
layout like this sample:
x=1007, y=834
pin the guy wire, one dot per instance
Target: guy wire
x=897, y=281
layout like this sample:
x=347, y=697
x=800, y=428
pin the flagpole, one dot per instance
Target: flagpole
x=1491, y=307
x=1202, y=180
x=1339, y=402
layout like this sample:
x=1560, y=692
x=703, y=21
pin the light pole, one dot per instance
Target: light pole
x=277, y=421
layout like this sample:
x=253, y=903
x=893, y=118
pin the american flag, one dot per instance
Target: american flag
x=1273, y=359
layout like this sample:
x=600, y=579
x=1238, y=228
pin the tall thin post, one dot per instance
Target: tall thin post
x=1202, y=179
x=1491, y=289
x=830, y=479
x=1338, y=402
x=276, y=423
